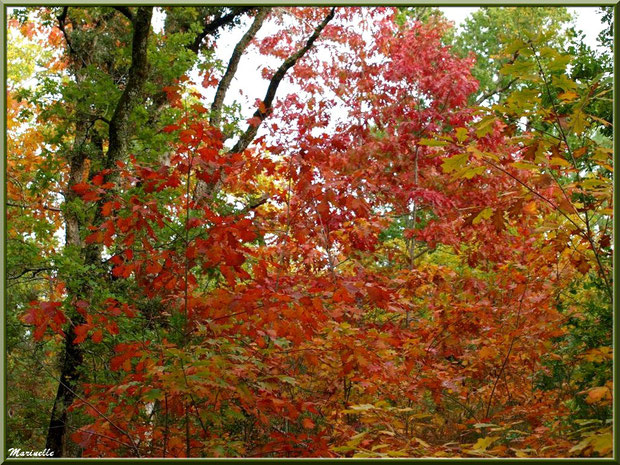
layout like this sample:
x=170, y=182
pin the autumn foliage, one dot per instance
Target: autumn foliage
x=386, y=269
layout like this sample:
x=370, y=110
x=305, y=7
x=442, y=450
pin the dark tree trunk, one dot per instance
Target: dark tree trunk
x=119, y=134
x=65, y=395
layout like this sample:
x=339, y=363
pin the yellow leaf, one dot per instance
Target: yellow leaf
x=602, y=444
x=421, y=442
x=593, y=183
x=484, y=425
x=461, y=134
x=563, y=82
x=557, y=161
x=355, y=440
x=485, y=126
x=600, y=120
x=483, y=443
x=433, y=142
x=599, y=354
x=470, y=172
x=480, y=155
x=486, y=352
x=568, y=96
x=524, y=453
x=578, y=121
x=483, y=215
x=523, y=165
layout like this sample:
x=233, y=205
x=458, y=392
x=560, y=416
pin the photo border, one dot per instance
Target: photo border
x=4, y=5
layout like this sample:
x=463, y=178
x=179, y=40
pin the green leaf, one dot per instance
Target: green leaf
x=288, y=379
x=518, y=68
x=514, y=46
x=524, y=98
x=559, y=63
x=564, y=83
x=153, y=394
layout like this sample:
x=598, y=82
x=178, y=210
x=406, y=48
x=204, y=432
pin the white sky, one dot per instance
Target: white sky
x=587, y=19
x=248, y=85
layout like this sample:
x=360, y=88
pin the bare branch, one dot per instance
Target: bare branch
x=160, y=99
x=34, y=271
x=217, y=23
x=44, y=207
x=247, y=138
x=497, y=90
x=220, y=94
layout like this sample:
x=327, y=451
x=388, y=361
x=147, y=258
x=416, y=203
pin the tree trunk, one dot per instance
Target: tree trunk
x=79, y=170
x=65, y=395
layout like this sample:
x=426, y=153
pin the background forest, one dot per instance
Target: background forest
x=397, y=242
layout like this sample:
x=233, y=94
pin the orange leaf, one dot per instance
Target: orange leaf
x=97, y=336
x=598, y=394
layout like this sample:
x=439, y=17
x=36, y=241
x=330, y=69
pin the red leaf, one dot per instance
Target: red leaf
x=81, y=188
x=171, y=128
x=107, y=208
x=94, y=237
x=229, y=274
x=254, y=121
x=97, y=336
x=308, y=423
x=81, y=332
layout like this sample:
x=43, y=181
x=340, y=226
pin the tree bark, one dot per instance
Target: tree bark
x=119, y=133
x=72, y=354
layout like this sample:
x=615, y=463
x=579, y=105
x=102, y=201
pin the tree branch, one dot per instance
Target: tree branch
x=125, y=11
x=34, y=271
x=247, y=138
x=61, y=25
x=497, y=90
x=222, y=88
x=160, y=99
x=214, y=25
x=44, y=207
x=101, y=414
